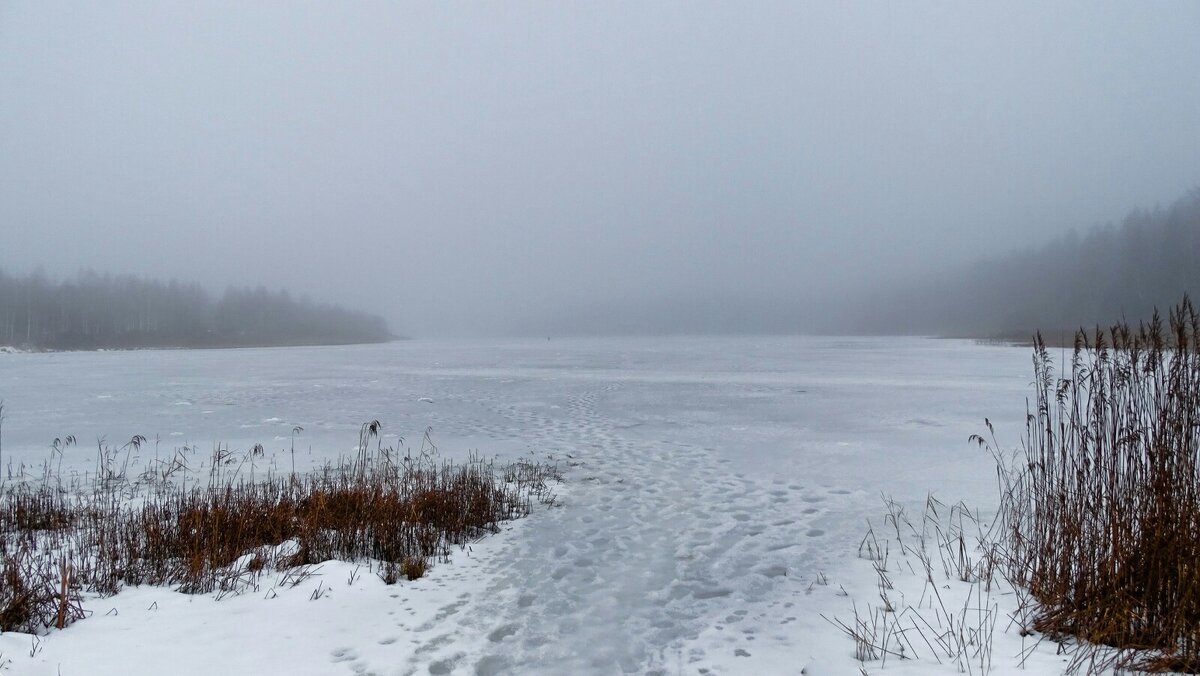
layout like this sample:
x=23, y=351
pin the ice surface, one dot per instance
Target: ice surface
x=709, y=479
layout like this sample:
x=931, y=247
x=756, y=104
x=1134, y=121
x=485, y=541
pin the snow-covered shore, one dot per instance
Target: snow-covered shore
x=338, y=618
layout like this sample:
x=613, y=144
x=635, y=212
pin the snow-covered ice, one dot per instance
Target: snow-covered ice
x=710, y=483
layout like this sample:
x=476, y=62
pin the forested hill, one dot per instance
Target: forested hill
x=105, y=311
x=1119, y=271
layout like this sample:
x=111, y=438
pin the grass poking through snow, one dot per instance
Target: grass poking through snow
x=397, y=511
x=1098, y=530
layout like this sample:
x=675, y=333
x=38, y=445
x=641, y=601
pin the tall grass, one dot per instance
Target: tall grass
x=398, y=511
x=1100, y=510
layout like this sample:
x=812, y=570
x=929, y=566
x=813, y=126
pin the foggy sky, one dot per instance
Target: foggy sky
x=508, y=167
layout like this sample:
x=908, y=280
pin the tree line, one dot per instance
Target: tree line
x=95, y=311
x=1108, y=273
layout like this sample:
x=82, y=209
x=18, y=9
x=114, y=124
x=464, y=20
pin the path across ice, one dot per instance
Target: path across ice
x=655, y=542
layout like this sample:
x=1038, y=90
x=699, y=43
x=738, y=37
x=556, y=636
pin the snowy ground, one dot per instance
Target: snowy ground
x=717, y=492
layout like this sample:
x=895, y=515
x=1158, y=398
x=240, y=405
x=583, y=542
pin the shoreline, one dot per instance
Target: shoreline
x=15, y=349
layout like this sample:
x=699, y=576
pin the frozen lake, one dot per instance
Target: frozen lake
x=708, y=479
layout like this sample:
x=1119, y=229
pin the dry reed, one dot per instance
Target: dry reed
x=1100, y=516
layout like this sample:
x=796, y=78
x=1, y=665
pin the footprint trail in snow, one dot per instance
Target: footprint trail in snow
x=655, y=542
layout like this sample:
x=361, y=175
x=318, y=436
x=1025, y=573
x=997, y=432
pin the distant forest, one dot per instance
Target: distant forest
x=96, y=311
x=1074, y=281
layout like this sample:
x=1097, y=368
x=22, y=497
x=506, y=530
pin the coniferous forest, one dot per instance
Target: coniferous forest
x=101, y=311
x=1148, y=261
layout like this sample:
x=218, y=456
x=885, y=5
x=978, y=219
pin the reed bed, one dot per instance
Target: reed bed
x=400, y=512
x=1100, y=514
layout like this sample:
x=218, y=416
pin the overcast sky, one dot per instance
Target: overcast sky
x=476, y=168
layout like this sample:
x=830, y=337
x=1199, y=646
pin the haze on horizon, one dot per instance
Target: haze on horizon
x=518, y=168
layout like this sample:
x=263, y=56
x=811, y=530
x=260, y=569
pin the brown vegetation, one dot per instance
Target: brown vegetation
x=1101, y=511
x=398, y=512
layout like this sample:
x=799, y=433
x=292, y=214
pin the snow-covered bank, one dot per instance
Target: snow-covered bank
x=338, y=619
x=712, y=485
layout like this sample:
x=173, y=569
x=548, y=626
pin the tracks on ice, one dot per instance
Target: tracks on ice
x=655, y=543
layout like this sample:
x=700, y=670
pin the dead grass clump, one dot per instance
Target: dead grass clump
x=413, y=567
x=1101, y=510
x=34, y=593
x=221, y=536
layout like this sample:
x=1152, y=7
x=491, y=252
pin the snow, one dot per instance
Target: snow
x=717, y=492
x=273, y=628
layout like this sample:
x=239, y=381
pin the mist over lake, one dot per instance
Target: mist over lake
x=709, y=338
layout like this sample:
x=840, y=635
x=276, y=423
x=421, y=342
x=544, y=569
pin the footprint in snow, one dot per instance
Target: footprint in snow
x=500, y=633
